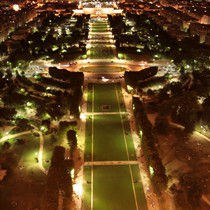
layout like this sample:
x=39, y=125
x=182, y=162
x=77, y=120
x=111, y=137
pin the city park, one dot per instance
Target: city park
x=98, y=137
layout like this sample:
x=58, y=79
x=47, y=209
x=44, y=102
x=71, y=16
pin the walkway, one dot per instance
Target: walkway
x=97, y=163
x=10, y=136
x=41, y=145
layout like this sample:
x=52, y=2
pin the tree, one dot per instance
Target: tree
x=161, y=125
x=58, y=156
x=72, y=140
x=163, y=95
x=3, y=49
x=6, y=146
x=193, y=189
x=180, y=198
x=185, y=111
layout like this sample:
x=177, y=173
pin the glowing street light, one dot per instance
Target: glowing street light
x=29, y=104
x=72, y=174
x=140, y=134
x=16, y=7
x=77, y=188
x=104, y=79
x=43, y=128
x=82, y=116
x=151, y=170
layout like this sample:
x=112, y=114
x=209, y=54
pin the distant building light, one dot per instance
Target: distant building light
x=16, y=7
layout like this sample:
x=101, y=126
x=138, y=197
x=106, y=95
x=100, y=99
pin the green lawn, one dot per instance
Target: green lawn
x=111, y=132
x=108, y=139
x=26, y=180
x=101, y=69
x=113, y=188
x=99, y=29
x=101, y=42
x=105, y=94
x=87, y=188
x=100, y=53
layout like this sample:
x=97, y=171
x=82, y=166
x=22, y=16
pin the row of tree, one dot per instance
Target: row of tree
x=72, y=141
x=76, y=78
x=179, y=101
x=59, y=181
x=154, y=163
x=133, y=78
x=188, y=193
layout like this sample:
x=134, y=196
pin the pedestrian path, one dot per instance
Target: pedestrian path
x=111, y=163
x=101, y=40
x=104, y=113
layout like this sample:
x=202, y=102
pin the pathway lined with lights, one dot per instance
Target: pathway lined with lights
x=40, y=154
x=95, y=45
x=127, y=153
x=101, y=40
x=41, y=148
x=41, y=145
x=104, y=113
x=152, y=201
x=96, y=163
x=114, y=163
x=10, y=136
